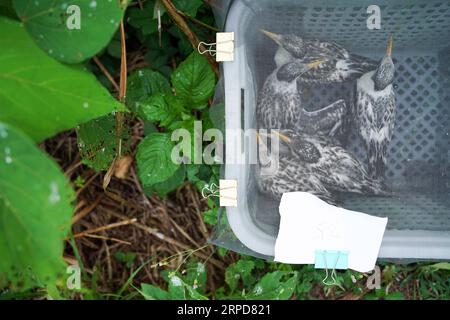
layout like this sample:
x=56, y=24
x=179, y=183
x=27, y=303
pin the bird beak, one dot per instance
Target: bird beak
x=315, y=64
x=275, y=37
x=259, y=140
x=390, y=45
x=282, y=137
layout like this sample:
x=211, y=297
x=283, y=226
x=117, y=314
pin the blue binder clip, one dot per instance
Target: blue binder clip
x=324, y=259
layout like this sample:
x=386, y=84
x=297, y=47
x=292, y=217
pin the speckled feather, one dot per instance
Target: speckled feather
x=280, y=107
x=340, y=66
x=293, y=176
x=375, y=119
x=336, y=168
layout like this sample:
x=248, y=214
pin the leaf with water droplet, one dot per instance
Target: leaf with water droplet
x=154, y=159
x=194, y=81
x=144, y=83
x=35, y=212
x=49, y=18
x=37, y=90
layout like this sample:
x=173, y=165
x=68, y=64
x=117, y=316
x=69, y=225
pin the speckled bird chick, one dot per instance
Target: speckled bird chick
x=280, y=104
x=336, y=168
x=291, y=174
x=340, y=66
x=375, y=112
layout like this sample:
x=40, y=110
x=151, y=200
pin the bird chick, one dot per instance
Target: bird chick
x=290, y=176
x=375, y=112
x=280, y=104
x=336, y=168
x=340, y=66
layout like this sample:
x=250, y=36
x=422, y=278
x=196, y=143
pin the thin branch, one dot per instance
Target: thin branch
x=84, y=212
x=196, y=21
x=192, y=37
x=94, y=236
x=103, y=228
x=106, y=73
x=119, y=115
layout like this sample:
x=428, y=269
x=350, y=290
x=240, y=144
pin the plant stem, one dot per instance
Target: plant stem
x=193, y=39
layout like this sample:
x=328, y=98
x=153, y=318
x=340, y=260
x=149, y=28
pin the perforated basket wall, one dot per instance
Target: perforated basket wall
x=419, y=156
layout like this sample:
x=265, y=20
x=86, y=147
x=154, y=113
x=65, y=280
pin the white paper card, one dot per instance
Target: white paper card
x=224, y=46
x=228, y=193
x=309, y=224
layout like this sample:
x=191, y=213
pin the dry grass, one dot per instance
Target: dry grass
x=123, y=219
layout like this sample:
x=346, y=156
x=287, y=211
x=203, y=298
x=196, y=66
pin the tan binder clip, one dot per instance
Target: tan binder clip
x=226, y=192
x=224, y=44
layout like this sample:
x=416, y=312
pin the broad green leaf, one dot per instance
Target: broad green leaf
x=48, y=23
x=143, y=19
x=154, y=159
x=35, y=210
x=189, y=7
x=176, y=288
x=395, y=296
x=194, y=81
x=144, y=83
x=151, y=292
x=169, y=185
x=211, y=216
x=97, y=142
x=164, y=109
x=271, y=286
x=438, y=266
x=194, y=294
x=125, y=257
x=196, y=275
x=40, y=95
x=183, y=44
x=237, y=271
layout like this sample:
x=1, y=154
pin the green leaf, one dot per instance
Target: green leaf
x=144, y=83
x=272, y=288
x=154, y=159
x=169, y=185
x=125, y=257
x=217, y=116
x=114, y=49
x=47, y=22
x=151, y=292
x=143, y=18
x=237, y=271
x=196, y=275
x=97, y=142
x=40, y=95
x=35, y=210
x=395, y=296
x=7, y=9
x=176, y=288
x=211, y=216
x=438, y=266
x=161, y=108
x=189, y=7
x=194, y=81
x=441, y=266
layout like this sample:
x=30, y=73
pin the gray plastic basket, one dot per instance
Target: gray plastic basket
x=419, y=156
